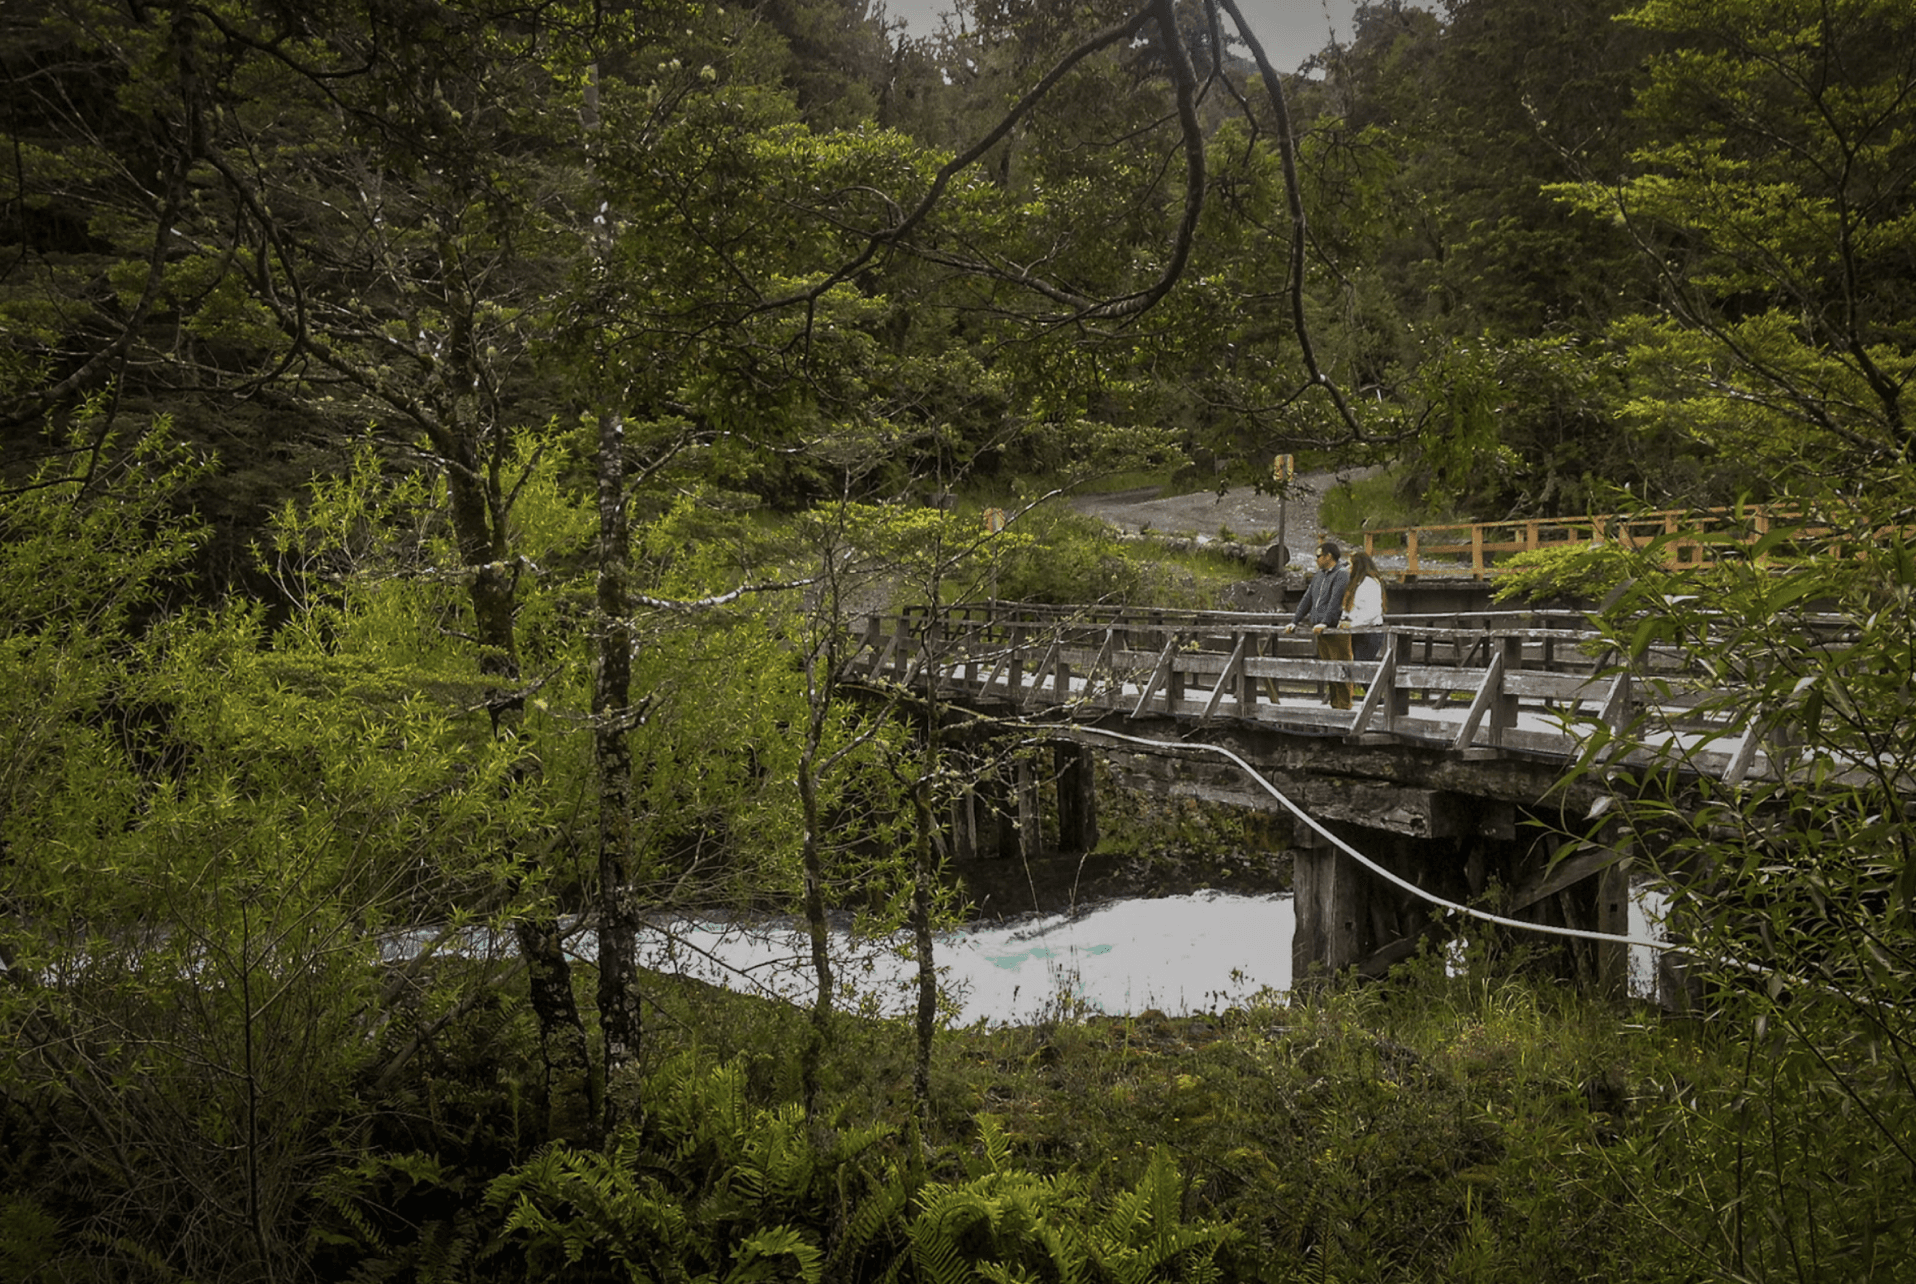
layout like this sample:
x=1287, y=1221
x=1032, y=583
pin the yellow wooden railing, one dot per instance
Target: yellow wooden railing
x=1437, y=548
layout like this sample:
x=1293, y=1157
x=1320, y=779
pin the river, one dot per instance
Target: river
x=1177, y=954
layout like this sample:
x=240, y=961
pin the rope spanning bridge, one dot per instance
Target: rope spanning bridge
x=1474, y=685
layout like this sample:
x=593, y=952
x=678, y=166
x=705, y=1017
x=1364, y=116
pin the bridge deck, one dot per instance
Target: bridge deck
x=1493, y=684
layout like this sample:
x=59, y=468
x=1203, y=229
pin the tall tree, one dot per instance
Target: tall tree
x=1776, y=203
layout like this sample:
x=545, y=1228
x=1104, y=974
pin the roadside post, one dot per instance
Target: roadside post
x=994, y=523
x=1283, y=472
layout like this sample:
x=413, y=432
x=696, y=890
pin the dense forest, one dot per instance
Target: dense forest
x=444, y=445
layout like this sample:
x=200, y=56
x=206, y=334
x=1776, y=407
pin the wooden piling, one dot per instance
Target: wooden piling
x=1077, y=799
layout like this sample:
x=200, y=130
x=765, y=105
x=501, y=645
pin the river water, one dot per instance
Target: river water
x=1176, y=954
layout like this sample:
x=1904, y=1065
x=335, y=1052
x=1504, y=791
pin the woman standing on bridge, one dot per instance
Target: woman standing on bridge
x=1364, y=608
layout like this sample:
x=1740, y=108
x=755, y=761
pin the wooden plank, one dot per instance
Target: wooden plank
x=1030, y=812
x=972, y=647
x=1743, y=755
x=1615, y=713
x=1613, y=917
x=921, y=654
x=1439, y=677
x=1015, y=665
x=1548, y=882
x=884, y=660
x=1004, y=661
x=1487, y=692
x=1230, y=670
x=1103, y=662
x=1554, y=688
x=1046, y=669
x=1376, y=698
x=1503, y=708
x=1158, y=675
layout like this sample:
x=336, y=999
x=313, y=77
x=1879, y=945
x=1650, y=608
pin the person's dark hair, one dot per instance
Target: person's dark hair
x=1330, y=548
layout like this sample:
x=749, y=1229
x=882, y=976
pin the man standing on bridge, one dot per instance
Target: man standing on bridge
x=1321, y=608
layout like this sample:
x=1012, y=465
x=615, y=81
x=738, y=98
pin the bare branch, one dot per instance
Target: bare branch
x=1287, y=153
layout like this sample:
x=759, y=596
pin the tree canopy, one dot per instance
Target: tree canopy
x=443, y=444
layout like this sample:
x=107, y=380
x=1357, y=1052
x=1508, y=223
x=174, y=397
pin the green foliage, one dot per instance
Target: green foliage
x=1063, y=556
x=710, y=1188
x=1005, y=1223
x=1793, y=888
x=1574, y=572
x=1437, y=1126
x=715, y=1188
x=1376, y=499
x=1771, y=196
x=213, y=838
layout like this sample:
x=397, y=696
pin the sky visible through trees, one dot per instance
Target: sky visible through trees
x=1292, y=30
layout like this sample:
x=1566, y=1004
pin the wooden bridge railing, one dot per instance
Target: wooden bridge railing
x=1438, y=548
x=1477, y=685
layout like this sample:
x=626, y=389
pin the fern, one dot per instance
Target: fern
x=876, y=1227
x=763, y=1256
x=716, y=1190
x=711, y=1188
x=1007, y=1224
x=1143, y=1236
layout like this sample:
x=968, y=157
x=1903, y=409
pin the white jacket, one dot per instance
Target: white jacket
x=1367, y=604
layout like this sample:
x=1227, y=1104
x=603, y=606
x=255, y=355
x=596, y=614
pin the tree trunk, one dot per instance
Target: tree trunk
x=479, y=527
x=817, y=926
x=921, y=900
x=620, y=1021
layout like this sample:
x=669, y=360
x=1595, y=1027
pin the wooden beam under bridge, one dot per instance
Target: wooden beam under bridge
x=1411, y=810
x=1443, y=824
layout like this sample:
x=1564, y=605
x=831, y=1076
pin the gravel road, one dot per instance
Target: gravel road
x=1250, y=517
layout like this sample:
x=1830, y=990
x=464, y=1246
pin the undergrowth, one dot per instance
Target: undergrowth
x=1436, y=1126
x=1377, y=501
x=1074, y=558
x=1484, y=1126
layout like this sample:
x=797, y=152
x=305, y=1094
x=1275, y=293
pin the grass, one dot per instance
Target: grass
x=1114, y=483
x=1431, y=1127
x=1373, y=502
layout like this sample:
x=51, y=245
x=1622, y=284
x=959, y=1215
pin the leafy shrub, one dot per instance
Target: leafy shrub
x=714, y=1188
x=1795, y=891
x=711, y=1187
x=1069, y=558
x=1007, y=1223
x=1583, y=572
x=1377, y=500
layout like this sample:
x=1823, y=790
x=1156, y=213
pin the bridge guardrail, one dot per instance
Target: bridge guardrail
x=1482, y=684
x=1476, y=547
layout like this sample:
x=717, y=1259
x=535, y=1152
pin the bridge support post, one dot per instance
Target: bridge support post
x=1077, y=799
x=997, y=830
x=1030, y=811
x=1613, y=917
x=964, y=823
x=1332, y=911
x=1503, y=713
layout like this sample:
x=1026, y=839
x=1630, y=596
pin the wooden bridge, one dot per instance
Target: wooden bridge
x=1449, y=765
x=1476, y=684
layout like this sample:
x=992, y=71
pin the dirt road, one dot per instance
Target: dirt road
x=1250, y=518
